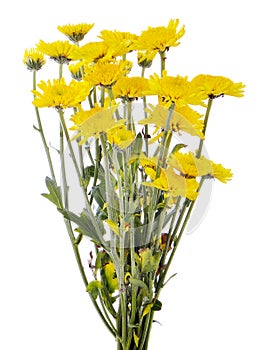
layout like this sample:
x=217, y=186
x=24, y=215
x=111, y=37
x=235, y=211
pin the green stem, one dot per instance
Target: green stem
x=63, y=170
x=162, y=61
x=41, y=131
x=198, y=154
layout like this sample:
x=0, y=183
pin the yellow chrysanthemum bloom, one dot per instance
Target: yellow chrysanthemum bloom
x=220, y=173
x=175, y=185
x=171, y=90
x=183, y=119
x=115, y=38
x=190, y=166
x=120, y=136
x=131, y=88
x=34, y=59
x=59, y=51
x=95, y=122
x=106, y=73
x=93, y=52
x=76, y=70
x=159, y=39
x=145, y=59
x=60, y=95
x=76, y=32
x=214, y=86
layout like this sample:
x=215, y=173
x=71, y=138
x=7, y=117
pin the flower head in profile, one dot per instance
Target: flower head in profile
x=114, y=38
x=75, y=32
x=174, y=185
x=159, y=39
x=183, y=119
x=215, y=86
x=93, y=52
x=177, y=90
x=59, y=51
x=60, y=95
x=76, y=71
x=94, y=122
x=34, y=59
x=120, y=136
x=129, y=89
x=191, y=167
x=106, y=73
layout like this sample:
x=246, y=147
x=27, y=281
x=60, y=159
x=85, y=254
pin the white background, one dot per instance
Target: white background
x=222, y=295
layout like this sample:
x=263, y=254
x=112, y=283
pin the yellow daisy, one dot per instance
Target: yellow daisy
x=95, y=122
x=76, y=70
x=76, y=32
x=59, y=51
x=120, y=136
x=214, y=86
x=175, y=185
x=171, y=89
x=130, y=88
x=183, y=119
x=34, y=59
x=106, y=73
x=60, y=95
x=190, y=166
x=159, y=39
x=116, y=38
x=220, y=173
x=92, y=52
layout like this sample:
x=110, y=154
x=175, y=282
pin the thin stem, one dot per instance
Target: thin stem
x=162, y=61
x=198, y=154
x=41, y=131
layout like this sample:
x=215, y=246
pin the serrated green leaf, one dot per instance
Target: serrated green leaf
x=54, y=194
x=84, y=223
x=93, y=289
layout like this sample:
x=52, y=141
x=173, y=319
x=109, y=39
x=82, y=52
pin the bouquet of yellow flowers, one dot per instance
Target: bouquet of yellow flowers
x=125, y=138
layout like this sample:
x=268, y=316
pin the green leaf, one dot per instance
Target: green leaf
x=136, y=338
x=88, y=173
x=136, y=146
x=138, y=283
x=147, y=310
x=54, y=194
x=149, y=261
x=93, y=289
x=178, y=147
x=157, y=306
x=85, y=225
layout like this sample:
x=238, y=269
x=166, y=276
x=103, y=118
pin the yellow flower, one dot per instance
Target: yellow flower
x=59, y=51
x=175, y=185
x=159, y=39
x=171, y=89
x=92, y=52
x=190, y=166
x=106, y=73
x=130, y=88
x=114, y=38
x=183, y=119
x=95, y=121
x=75, y=32
x=214, y=86
x=145, y=59
x=220, y=173
x=34, y=59
x=60, y=95
x=76, y=70
x=120, y=136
